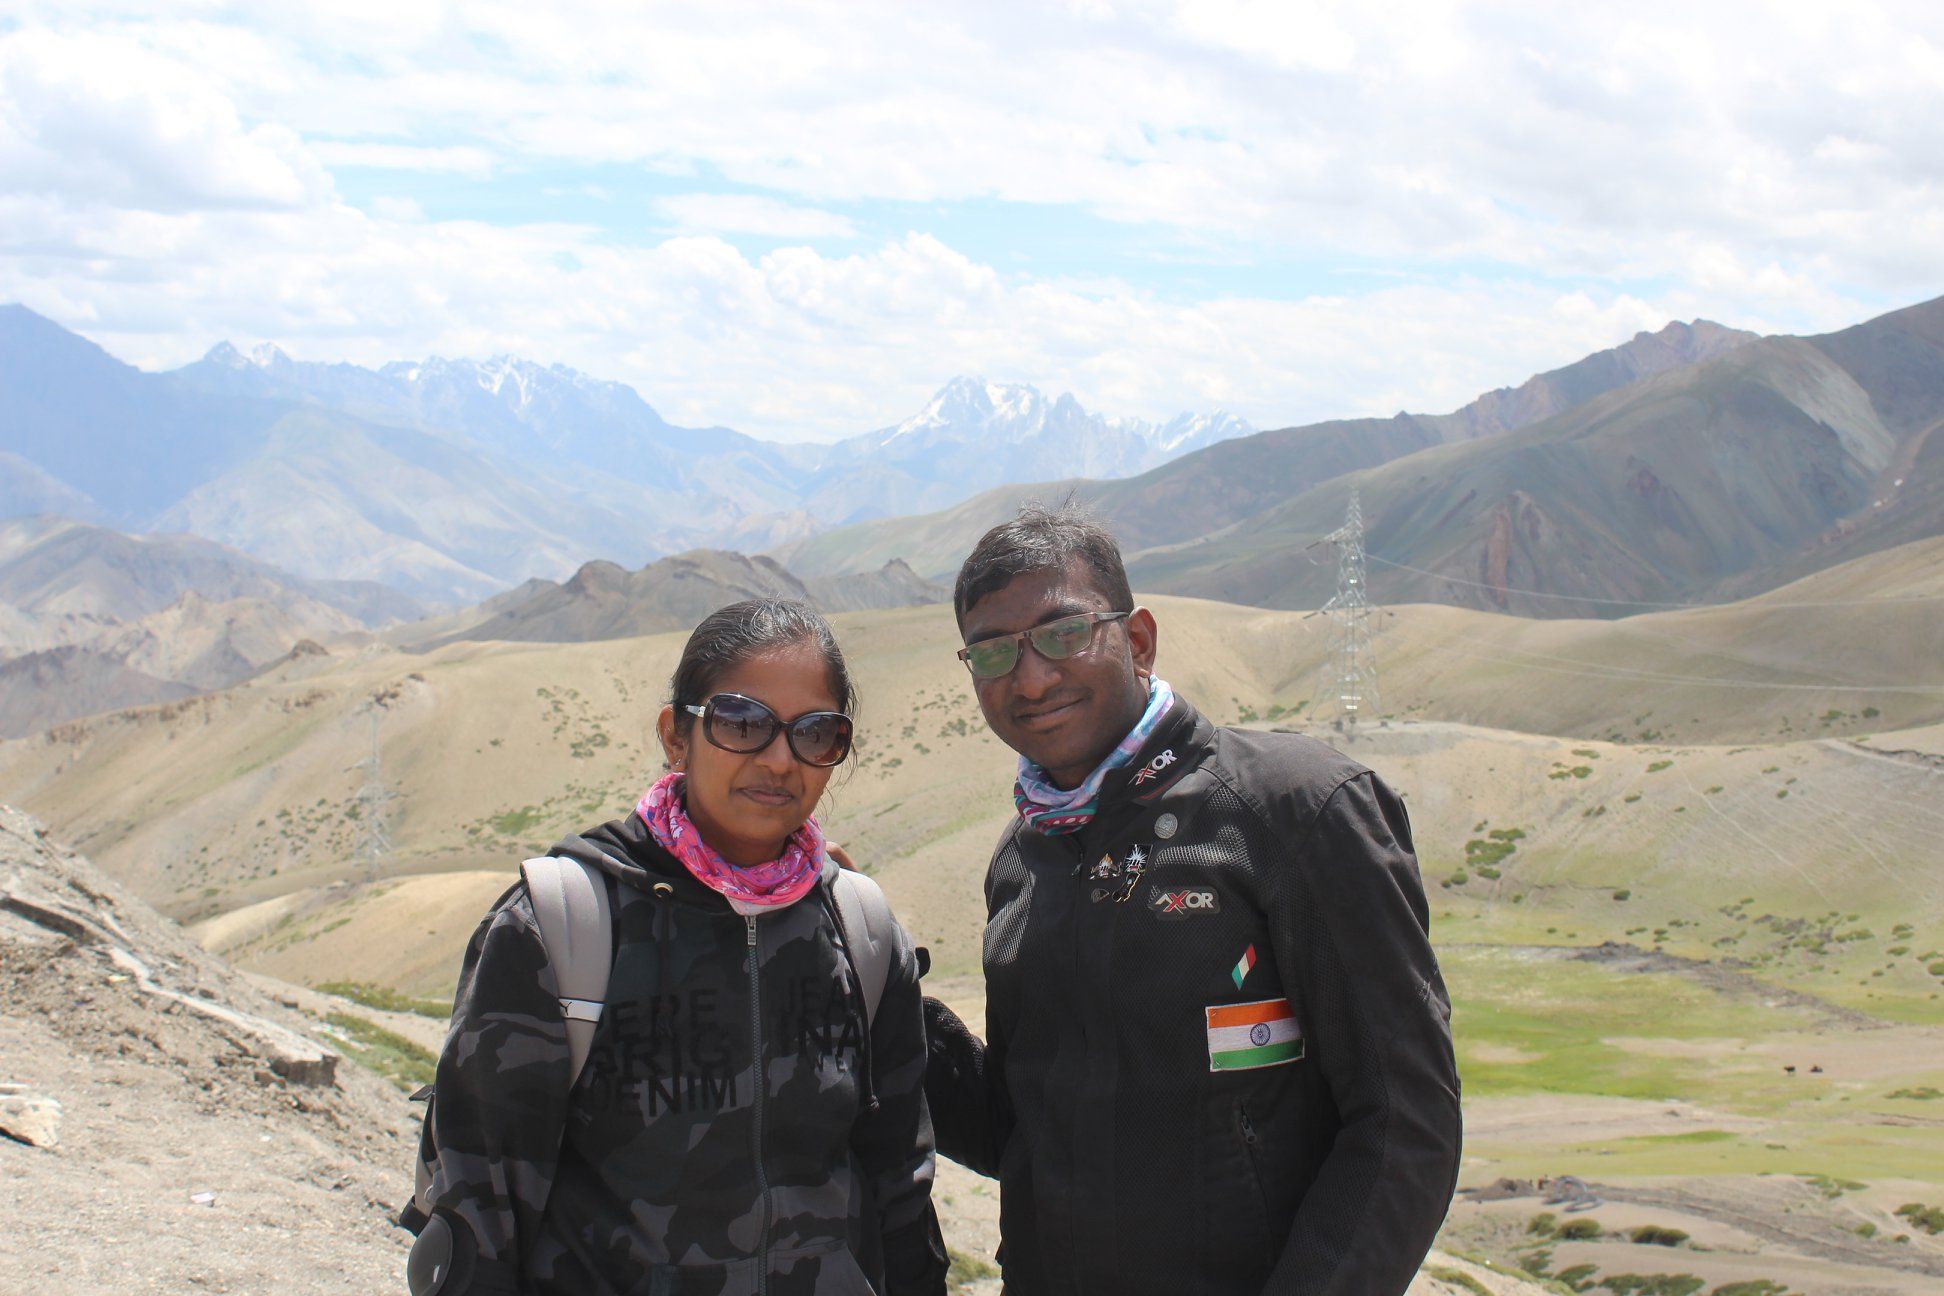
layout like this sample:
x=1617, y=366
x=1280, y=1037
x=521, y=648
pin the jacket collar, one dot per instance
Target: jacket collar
x=1178, y=744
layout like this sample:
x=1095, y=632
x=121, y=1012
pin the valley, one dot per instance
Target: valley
x=1683, y=865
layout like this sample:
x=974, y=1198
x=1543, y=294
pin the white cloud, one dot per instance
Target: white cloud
x=457, y=159
x=103, y=119
x=712, y=213
x=1541, y=180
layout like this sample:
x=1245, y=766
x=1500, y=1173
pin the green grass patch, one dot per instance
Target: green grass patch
x=1660, y=765
x=1752, y=1287
x=1918, y=1093
x=1653, y=1284
x=515, y=822
x=1928, y=1218
x=1831, y=1187
x=1657, y=1235
x=967, y=1269
x=386, y=999
x=391, y=1055
x=1457, y=1278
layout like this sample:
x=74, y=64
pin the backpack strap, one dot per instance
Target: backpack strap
x=868, y=922
x=570, y=901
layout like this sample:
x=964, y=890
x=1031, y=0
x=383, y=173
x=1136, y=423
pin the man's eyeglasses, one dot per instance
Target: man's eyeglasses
x=1055, y=641
x=743, y=725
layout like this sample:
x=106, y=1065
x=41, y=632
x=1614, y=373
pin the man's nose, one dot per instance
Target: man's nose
x=1034, y=674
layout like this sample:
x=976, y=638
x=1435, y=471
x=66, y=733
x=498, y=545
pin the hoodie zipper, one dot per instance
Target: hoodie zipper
x=756, y=1129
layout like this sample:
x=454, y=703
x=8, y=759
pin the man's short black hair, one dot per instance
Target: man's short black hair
x=1038, y=540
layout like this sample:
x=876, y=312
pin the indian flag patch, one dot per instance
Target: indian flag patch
x=1248, y=1035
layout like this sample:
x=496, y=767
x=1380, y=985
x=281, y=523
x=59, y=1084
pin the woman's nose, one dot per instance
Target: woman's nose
x=776, y=755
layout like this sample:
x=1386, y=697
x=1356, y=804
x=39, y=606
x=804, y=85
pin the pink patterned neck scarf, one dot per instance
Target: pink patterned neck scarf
x=782, y=881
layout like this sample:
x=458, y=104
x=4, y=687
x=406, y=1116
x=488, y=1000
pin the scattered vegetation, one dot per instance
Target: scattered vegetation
x=1578, y=1230
x=386, y=999
x=1928, y=1218
x=1921, y=1093
x=1457, y=1278
x=391, y=1055
x=967, y=1269
x=1831, y=1187
x=1659, y=765
x=1683, y=1284
x=1657, y=1235
x=1752, y=1287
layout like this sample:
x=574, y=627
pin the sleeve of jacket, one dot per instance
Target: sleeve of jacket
x=1351, y=922
x=501, y=1097
x=965, y=1085
x=893, y=1142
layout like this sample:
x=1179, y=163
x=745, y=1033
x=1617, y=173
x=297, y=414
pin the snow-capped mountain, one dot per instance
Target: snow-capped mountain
x=974, y=434
x=453, y=478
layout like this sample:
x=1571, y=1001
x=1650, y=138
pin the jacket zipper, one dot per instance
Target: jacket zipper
x=1252, y=1150
x=756, y=1129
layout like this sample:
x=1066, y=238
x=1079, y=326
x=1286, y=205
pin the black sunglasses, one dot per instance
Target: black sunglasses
x=743, y=725
x=1055, y=641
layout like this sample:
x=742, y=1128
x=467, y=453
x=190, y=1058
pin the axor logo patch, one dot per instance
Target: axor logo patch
x=1154, y=767
x=1182, y=903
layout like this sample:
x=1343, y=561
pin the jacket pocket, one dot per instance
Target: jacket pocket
x=827, y=1269
x=1252, y=1154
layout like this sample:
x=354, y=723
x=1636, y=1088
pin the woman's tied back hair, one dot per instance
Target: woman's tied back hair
x=1038, y=540
x=730, y=636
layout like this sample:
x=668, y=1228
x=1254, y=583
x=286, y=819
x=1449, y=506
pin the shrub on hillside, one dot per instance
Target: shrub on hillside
x=1579, y=1230
x=1928, y=1218
x=1657, y=1235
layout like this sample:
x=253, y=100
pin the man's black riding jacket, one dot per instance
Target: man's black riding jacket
x=1219, y=1048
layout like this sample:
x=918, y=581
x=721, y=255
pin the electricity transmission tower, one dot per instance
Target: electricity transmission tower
x=372, y=799
x=1349, y=677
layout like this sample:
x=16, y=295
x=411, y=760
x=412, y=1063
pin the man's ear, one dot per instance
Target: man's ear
x=1143, y=639
x=674, y=746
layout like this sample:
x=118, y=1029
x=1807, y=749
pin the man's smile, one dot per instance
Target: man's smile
x=1045, y=715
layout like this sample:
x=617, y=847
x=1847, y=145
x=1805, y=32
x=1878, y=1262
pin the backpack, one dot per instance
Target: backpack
x=570, y=903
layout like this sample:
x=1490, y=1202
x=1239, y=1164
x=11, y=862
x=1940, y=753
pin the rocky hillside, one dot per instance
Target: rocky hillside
x=1783, y=456
x=170, y=1127
x=167, y=1126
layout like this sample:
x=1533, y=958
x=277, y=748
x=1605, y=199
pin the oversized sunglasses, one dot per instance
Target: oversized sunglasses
x=1055, y=641
x=743, y=725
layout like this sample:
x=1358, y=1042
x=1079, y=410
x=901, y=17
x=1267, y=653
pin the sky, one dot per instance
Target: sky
x=800, y=220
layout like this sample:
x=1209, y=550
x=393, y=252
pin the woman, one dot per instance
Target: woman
x=674, y=1163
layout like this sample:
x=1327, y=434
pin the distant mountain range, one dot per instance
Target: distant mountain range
x=452, y=480
x=92, y=619
x=1220, y=485
x=605, y=601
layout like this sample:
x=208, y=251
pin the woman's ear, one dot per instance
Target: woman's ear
x=674, y=746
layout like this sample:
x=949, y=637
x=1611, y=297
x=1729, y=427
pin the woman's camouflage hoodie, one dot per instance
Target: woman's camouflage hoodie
x=671, y=1167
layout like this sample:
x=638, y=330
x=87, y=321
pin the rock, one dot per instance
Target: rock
x=27, y=1118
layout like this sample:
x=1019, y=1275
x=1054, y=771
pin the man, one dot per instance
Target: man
x=1218, y=1056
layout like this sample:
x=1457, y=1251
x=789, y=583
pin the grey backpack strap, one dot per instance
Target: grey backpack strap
x=868, y=922
x=570, y=900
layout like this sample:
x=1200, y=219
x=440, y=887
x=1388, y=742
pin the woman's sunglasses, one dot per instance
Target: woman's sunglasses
x=743, y=725
x=1055, y=641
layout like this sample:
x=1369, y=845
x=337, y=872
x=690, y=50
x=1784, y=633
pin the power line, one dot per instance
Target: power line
x=1350, y=671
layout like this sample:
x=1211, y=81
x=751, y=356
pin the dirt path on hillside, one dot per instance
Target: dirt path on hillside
x=1779, y=1213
